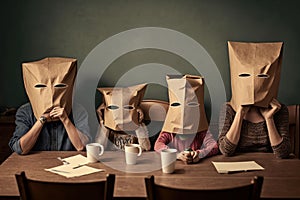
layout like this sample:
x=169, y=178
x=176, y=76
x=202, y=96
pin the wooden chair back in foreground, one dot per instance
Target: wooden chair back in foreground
x=154, y=110
x=294, y=129
x=250, y=191
x=36, y=189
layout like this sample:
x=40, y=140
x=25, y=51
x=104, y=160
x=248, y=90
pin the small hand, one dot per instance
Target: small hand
x=189, y=157
x=268, y=113
x=58, y=112
x=195, y=156
x=185, y=157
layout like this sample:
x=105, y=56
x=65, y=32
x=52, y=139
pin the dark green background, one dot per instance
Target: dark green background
x=34, y=29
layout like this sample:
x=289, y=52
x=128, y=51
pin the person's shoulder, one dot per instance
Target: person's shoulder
x=25, y=111
x=226, y=107
x=25, y=108
x=203, y=133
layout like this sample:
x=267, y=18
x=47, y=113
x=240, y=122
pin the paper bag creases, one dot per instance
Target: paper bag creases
x=255, y=72
x=186, y=114
x=122, y=107
x=49, y=83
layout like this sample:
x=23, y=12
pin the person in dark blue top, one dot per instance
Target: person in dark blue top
x=50, y=121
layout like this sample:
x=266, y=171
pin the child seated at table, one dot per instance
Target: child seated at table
x=186, y=126
x=121, y=118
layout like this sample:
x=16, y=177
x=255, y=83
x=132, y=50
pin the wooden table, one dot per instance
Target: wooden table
x=281, y=176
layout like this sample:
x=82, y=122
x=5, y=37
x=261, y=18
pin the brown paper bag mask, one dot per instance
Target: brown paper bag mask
x=49, y=83
x=122, y=111
x=255, y=72
x=186, y=114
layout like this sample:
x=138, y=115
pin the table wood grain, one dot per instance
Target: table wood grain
x=281, y=176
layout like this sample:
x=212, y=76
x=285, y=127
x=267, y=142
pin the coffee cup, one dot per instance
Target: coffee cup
x=132, y=151
x=94, y=152
x=168, y=160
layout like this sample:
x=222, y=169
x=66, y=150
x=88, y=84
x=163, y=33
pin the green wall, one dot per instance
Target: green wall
x=34, y=29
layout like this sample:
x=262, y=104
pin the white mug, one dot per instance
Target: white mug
x=94, y=152
x=168, y=160
x=132, y=151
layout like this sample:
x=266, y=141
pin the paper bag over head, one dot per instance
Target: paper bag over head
x=122, y=107
x=186, y=113
x=255, y=72
x=49, y=82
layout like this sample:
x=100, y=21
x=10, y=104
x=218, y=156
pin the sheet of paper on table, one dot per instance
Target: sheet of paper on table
x=230, y=167
x=75, y=167
x=77, y=160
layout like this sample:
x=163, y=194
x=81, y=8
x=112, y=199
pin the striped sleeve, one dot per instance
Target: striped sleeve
x=281, y=120
x=225, y=120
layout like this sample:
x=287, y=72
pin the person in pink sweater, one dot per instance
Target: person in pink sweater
x=192, y=147
x=186, y=127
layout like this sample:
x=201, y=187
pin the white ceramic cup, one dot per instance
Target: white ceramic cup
x=94, y=152
x=132, y=151
x=168, y=160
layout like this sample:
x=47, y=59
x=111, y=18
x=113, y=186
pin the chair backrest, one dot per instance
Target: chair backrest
x=42, y=190
x=250, y=191
x=154, y=110
x=154, y=115
x=294, y=128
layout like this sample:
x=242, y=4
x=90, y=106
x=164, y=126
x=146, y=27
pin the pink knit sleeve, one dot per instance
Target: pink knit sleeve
x=163, y=139
x=209, y=147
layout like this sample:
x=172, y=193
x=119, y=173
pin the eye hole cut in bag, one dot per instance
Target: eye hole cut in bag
x=193, y=104
x=40, y=85
x=255, y=72
x=113, y=107
x=61, y=85
x=175, y=104
x=122, y=106
x=186, y=113
x=263, y=76
x=244, y=75
x=128, y=107
x=49, y=82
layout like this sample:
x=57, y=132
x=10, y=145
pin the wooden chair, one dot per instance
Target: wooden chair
x=154, y=110
x=250, y=191
x=43, y=190
x=294, y=120
x=154, y=115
